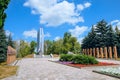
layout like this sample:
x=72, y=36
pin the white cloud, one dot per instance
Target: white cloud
x=54, y=13
x=47, y=35
x=80, y=7
x=7, y=32
x=32, y=33
x=78, y=31
x=83, y=6
x=115, y=23
x=57, y=38
x=80, y=39
x=87, y=4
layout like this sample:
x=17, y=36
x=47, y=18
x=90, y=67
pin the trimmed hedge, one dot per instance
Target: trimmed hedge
x=78, y=58
x=66, y=57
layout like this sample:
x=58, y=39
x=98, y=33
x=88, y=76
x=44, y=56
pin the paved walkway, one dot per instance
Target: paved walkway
x=42, y=69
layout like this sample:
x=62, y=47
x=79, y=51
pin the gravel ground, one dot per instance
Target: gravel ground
x=42, y=69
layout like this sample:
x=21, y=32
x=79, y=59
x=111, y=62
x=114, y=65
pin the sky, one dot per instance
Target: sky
x=25, y=17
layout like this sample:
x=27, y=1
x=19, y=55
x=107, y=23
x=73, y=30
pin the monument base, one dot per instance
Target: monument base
x=38, y=56
x=42, y=56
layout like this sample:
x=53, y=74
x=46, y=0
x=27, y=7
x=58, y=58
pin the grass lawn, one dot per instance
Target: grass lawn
x=29, y=56
x=6, y=70
x=118, y=59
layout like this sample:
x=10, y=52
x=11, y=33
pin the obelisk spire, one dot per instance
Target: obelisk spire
x=40, y=42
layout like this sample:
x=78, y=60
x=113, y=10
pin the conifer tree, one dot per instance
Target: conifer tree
x=101, y=29
x=3, y=45
x=111, y=37
x=117, y=33
x=10, y=42
x=3, y=6
x=3, y=42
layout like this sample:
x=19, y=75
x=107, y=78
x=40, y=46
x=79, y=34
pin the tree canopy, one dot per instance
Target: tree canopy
x=3, y=42
x=102, y=35
x=68, y=43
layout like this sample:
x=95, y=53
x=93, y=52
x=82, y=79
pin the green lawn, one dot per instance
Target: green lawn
x=6, y=70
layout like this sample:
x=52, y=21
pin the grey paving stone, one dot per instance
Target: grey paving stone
x=42, y=69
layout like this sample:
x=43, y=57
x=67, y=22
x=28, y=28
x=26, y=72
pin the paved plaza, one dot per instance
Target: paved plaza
x=43, y=69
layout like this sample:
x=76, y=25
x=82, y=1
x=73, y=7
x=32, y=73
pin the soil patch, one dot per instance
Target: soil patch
x=86, y=65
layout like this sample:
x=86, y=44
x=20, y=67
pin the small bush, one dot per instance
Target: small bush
x=66, y=57
x=92, y=60
x=78, y=59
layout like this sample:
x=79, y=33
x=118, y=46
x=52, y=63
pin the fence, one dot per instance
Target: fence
x=11, y=55
x=105, y=52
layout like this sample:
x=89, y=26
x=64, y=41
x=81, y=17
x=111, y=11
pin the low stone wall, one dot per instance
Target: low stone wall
x=106, y=52
x=11, y=55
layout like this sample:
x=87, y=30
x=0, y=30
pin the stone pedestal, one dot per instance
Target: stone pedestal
x=87, y=51
x=90, y=51
x=83, y=51
x=115, y=52
x=97, y=50
x=101, y=52
x=105, y=52
x=11, y=55
x=94, y=52
x=110, y=52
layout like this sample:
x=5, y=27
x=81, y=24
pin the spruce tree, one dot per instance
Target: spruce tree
x=3, y=6
x=10, y=42
x=117, y=33
x=92, y=36
x=111, y=37
x=101, y=29
x=3, y=42
x=3, y=45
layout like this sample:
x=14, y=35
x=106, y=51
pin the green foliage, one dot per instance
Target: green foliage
x=78, y=59
x=68, y=43
x=102, y=35
x=3, y=45
x=90, y=40
x=10, y=42
x=101, y=30
x=111, y=37
x=117, y=33
x=24, y=49
x=3, y=6
x=66, y=57
x=33, y=45
x=3, y=42
x=48, y=47
x=84, y=59
x=92, y=60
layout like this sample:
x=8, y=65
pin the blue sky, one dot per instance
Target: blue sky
x=25, y=17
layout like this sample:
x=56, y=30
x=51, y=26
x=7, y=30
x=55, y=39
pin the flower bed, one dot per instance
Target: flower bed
x=113, y=71
x=78, y=59
x=86, y=65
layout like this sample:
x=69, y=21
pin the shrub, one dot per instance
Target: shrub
x=92, y=60
x=78, y=59
x=66, y=57
x=86, y=59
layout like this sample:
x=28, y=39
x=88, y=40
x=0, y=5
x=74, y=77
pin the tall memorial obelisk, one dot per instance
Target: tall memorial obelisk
x=40, y=42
